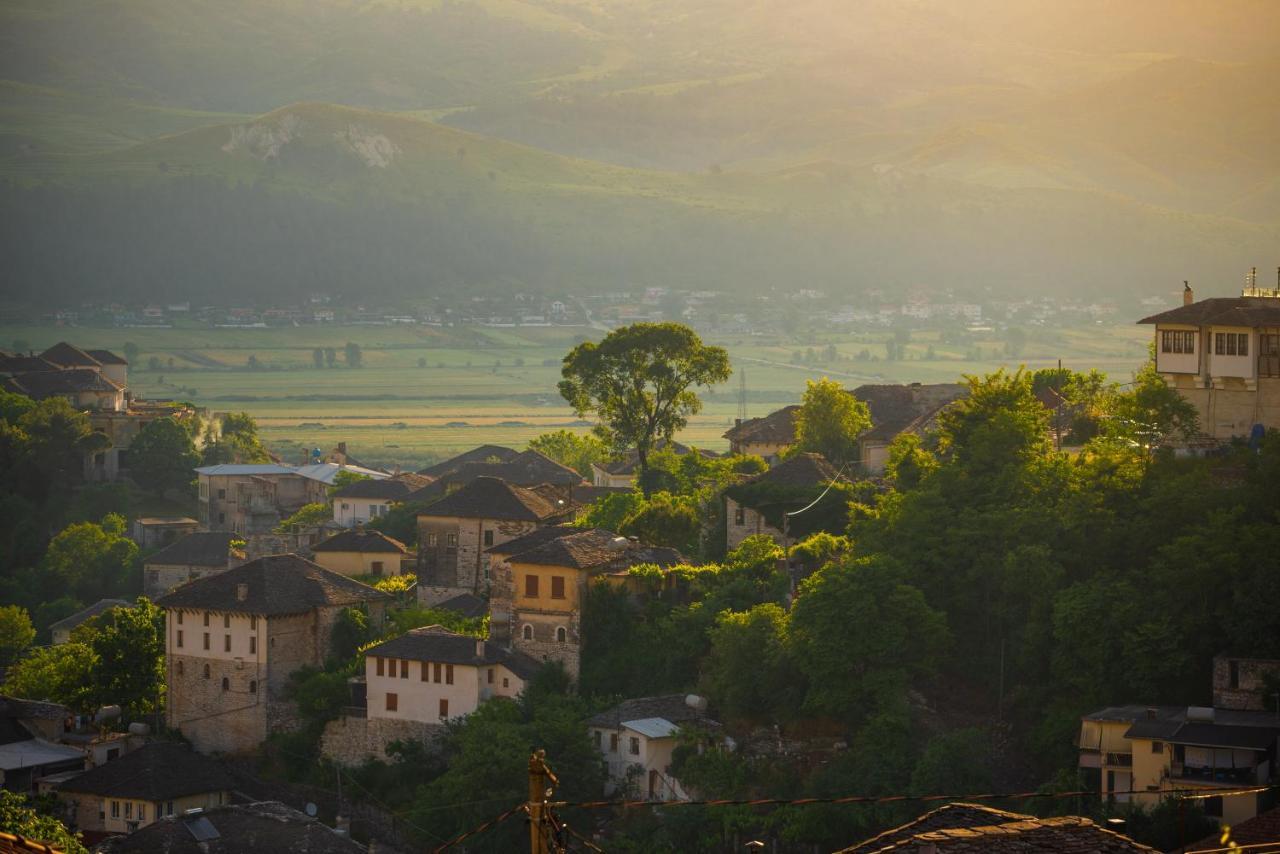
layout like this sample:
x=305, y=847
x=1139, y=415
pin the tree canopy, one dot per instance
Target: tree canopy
x=162, y=457
x=829, y=422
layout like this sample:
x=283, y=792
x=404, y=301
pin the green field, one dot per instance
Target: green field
x=472, y=387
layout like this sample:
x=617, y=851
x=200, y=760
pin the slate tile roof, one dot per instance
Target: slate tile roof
x=1252, y=835
x=273, y=585
x=491, y=498
x=946, y=816
x=20, y=364
x=41, y=384
x=1223, y=311
x=477, y=455
x=801, y=470
x=436, y=643
x=98, y=608
x=199, y=548
x=533, y=539
x=267, y=827
x=894, y=407
x=776, y=427
x=363, y=540
x=630, y=461
x=159, y=771
x=106, y=357
x=395, y=488
x=68, y=356
x=669, y=707
x=466, y=604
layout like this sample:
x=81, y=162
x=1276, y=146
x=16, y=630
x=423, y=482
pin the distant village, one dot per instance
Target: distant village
x=252, y=594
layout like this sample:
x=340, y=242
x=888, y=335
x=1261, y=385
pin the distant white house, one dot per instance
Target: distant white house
x=638, y=738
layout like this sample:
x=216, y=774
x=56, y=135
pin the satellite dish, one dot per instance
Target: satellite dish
x=311, y=809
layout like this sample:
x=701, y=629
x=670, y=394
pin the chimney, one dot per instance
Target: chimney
x=242, y=592
x=479, y=648
x=342, y=449
x=1151, y=714
x=737, y=422
x=1188, y=295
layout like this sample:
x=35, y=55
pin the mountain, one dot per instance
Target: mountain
x=323, y=197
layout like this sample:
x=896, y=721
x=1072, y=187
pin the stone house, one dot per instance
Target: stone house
x=1243, y=683
x=154, y=532
x=253, y=498
x=637, y=738
x=757, y=505
x=193, y=557
x=479, y=454
x=365, y=500
x=157, y=780
x=360, y=551
x=528, y=469
x=540, y=581
x=1223, y=355
x=767, y=436
x=454, y=532
x=62, y=629
x=233, y=639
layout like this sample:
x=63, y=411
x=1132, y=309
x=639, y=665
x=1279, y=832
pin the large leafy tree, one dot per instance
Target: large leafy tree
x=18, y=816
x=638, y=381
x=749, y=672
x=91, y=560
x=575, y=450
x=57, y=674
x=16, y=633
x=162, y=457
x=128, y=645
x=236, y=442
x=830, y=420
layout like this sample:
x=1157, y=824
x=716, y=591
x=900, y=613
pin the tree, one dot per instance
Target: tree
x=18, y=817
x=330, y=357
x=317, y=357
x=575, y=450
x=666, y=520
x=352, y=354
x=637, y=382
x=131, y=352
x=57, y=674
x=128, y=646
x=308, y=516
x=90, y=560
x=999, y=423
x=57, y=439
x=162, y=457
x=16, y=633
x=860, y=632
x=238, y=442
x=954, y=762
x=829, y=422
x=1151, y=411
x=749, y=673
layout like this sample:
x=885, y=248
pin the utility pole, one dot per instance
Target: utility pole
x=541, y=781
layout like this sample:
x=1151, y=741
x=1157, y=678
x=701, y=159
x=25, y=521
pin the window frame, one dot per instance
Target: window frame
x=392, y=701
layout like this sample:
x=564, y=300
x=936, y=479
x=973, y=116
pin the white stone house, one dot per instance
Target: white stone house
x=365, y=500
x=638, y=738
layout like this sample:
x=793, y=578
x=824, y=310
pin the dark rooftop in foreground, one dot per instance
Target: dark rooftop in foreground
x=159, y=771
x=267, y=827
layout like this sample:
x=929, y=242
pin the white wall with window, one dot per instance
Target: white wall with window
x=1178, y=349
x=1231, y=352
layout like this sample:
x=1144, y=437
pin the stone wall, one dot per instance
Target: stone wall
x=352, y=741
x=461, y=562
x=544, y=646
x=214, y=720
x=752, y=523
x=1230, y=407
x=1248, y=689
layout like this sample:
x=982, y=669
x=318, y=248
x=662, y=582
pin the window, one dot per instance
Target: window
x=226, y=621
x=206, y=671
x=253, y=623
x=613, y=742
x=739, y=515
x=1233, y=673
x=115, y=809
x=1230, y=343
x=222, y=518
x=378, y=663
x=206, y=618
x=1269, y=354
x=599, y=738
x=253, y=686
x=226, y=643
x=527, y=632
x=634, y=746
x=435, y=673
x=168, y=807
x=490, y=676
x=393, y=702
x=206, y=640
x=431, y=539
x=557, y=587
x=561, y=635
x=506, y=683
x=179, y=638
x=1177, y=341
x=226, y=684
x=448, y=674
x=1157, y=747
x=531, y=586
x=128, y=810
x=142, y=812
x=451, y=539
x=376, y=567
x=444, y=709
x=222, y=493
x=179, y=618
x=488, y=538
x=404, y=668
x=253, y=645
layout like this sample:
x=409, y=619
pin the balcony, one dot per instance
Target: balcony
x=1118, y=760
x=1215, y=776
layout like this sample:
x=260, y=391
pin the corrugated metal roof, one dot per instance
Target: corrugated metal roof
x=653, y=727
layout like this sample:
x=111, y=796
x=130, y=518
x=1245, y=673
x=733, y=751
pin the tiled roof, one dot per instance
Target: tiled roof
x=946, y=816
x=267, y=827
x=323, y=472
x=12, y=843
x=106, y=357
x=20, y=364
x=68, y=356
x=273, y=585
x=1240, y=728
x=671, y=707
x=584, y=549
x=159, y=771
x=491, y=498
x=102, y=606
x=533, y=539
x=15, y=707
x=1251, y=835
x=776, y=427
x=631, y=460
x=894, y=407
x=800, y=470
x=42, y=384
x=1223, y=311
x=199, y=548
x=395, y=488
x=466, y=604
x=361, y=540
x=436, y=643
x=526, y=469
x=1065, y=835
x=484, y=453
